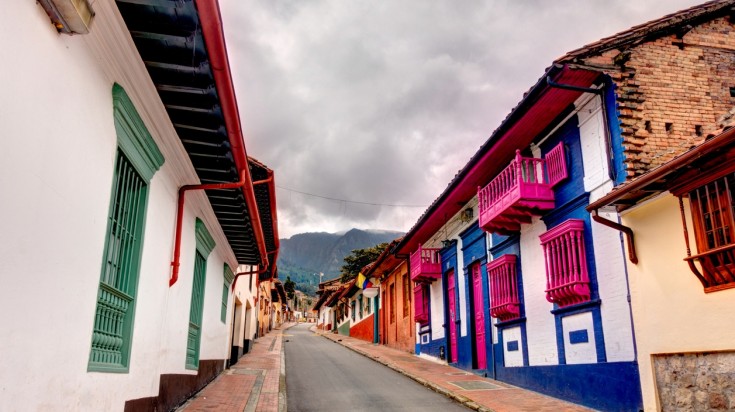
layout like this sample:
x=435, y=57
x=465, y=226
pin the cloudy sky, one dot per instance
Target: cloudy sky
x=365, y=110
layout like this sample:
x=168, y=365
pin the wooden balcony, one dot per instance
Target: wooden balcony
x=521, y=190
x=504, y=301
x=426, y=265
x=567, y=278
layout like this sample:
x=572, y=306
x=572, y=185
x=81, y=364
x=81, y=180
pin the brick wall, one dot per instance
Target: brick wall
x=671, y=92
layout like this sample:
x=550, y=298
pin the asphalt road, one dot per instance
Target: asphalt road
x=321, y=375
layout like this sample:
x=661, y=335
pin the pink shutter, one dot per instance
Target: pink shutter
x=556, y=164
x=420, y=315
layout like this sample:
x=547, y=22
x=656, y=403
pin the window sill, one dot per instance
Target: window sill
x=580, y=307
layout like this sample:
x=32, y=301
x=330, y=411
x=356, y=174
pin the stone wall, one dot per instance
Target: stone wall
x=695, y=381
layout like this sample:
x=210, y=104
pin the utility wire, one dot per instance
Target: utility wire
x=347, y=201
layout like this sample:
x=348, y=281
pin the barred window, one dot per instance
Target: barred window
x=712, y=214
x=114, y=315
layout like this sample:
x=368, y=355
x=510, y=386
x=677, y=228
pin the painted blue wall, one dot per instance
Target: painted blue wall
x=449, y=263
x=616, y=138
x=474, y=250
x=611, y=386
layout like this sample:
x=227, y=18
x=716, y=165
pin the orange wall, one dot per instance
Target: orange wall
x=363, y=330
x=398, y=334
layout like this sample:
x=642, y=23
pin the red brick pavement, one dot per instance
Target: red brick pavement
x=439, y=377
x=253, y=384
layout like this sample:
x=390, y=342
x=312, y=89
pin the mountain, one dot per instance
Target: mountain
x=304, y=256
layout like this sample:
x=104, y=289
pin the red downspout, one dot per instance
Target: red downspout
x=180, y=219
x=211, y=23
x=252, y=272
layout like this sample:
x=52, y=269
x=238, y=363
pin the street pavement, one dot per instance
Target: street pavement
x=323, y=376
x=472, y=391
x=256, y=383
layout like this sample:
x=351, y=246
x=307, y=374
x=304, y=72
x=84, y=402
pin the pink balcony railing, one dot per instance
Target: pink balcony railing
x=520, y=191
x=425, y=265
x=567, y=280
x=504, y=302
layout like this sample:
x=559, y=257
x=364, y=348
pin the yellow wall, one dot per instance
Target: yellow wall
x=671, y=312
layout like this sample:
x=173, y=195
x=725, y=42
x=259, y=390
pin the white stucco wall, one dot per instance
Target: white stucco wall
x=609, y=253
x=437, y=309
x=56, y=166
x=540, y=323
x=579, y=352
x=672, y=313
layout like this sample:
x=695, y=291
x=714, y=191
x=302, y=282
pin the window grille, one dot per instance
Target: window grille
x=228, y=277
x=713, y=213
x=111, y=337
x=352, y=309
x=504, y=293
x=567, y=280
x=195, y=313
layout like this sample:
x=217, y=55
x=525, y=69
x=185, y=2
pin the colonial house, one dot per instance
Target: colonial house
x=326, y=293
x=396, y=323
x=682, y=279
x=244, y=306
x=127, y=174
x=535, y=291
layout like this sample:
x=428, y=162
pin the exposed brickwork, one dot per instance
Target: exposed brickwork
x=695, y=381
x=672, y=92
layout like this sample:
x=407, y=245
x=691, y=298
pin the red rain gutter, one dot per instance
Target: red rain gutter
x=271, y=181
x=180, y=218
x=214, y=38
x=252, y=272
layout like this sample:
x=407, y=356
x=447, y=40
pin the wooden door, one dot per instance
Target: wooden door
x=453, y=316
x=481, y=351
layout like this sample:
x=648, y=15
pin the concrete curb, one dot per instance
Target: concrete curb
x=282, y=394
x=436, y=388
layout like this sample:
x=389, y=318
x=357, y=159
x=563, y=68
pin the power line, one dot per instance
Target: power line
x=348, y=201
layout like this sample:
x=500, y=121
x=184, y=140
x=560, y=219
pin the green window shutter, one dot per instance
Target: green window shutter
x=195, y=312
x=113, y=323
x=137, y=160
x=229, y=276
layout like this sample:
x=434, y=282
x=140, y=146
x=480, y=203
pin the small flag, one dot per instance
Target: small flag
x=363, y=281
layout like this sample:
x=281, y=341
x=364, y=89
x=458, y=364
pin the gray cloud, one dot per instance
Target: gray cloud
x=383, y=102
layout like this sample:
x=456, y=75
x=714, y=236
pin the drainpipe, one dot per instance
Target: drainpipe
x=214, y=39
x=180, y=219
x=599, y=92
x=625, y=229
x=252, y=272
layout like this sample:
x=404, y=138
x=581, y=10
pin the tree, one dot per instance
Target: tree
x=289, y=286
x=358, y=258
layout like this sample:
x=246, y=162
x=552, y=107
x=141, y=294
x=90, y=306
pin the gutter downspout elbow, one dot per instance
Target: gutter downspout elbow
x=176, y=263
x=625, y=229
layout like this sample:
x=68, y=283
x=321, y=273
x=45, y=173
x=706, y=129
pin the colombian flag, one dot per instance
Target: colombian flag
x=363, y=282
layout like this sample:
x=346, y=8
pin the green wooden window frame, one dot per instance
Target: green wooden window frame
x=204, y=246
x=228, y=276
x=136, y=161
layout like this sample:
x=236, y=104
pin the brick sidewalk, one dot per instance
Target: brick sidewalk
x=253, y=384
x=483, y=394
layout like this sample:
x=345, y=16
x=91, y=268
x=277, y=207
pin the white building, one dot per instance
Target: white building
x=95, y=146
